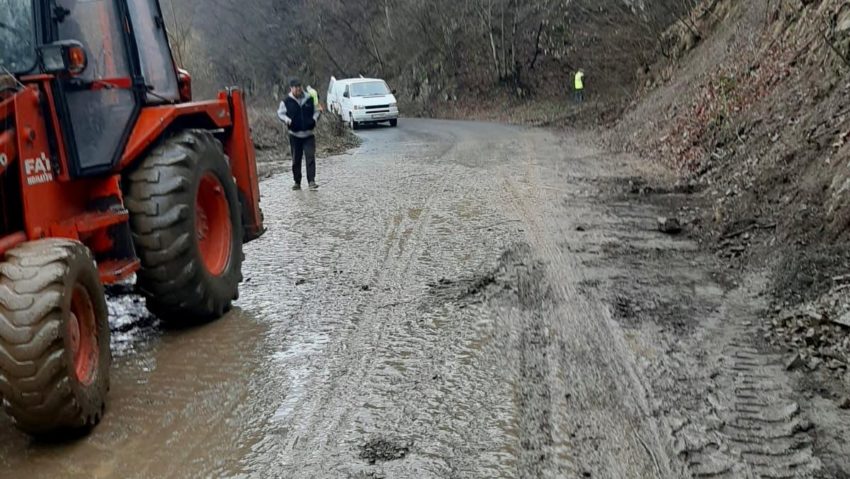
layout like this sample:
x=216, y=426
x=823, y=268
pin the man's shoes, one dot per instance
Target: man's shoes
x=314, y=186
x=296, y=186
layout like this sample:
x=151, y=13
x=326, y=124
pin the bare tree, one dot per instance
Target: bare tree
x=425, y=47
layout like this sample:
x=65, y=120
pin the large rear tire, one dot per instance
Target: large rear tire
x=54, y=338
x=187, y=228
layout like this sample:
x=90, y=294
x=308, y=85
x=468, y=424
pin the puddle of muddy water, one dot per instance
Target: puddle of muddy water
x=173, y=398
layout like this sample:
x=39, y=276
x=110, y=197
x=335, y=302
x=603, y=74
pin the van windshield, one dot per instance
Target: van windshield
x=373, y=88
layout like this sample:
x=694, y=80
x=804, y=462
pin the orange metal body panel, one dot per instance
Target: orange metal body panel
x=112, y=272
x=61, y=154
x=228, y=113
x=243, y=160
x=52, y=205
x=154, y=121
x=8, y=149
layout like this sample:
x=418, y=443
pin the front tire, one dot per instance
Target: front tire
x=393, y=123
x=54, y=338
x=351, y=123
x=187, y=228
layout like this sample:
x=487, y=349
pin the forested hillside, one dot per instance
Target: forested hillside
x=434, y=52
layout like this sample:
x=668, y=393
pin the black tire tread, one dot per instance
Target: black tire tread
x=34, y=382
x=159, y=194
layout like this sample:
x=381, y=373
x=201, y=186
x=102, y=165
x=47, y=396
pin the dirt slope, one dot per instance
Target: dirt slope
x=752, y=120
x=759, y=114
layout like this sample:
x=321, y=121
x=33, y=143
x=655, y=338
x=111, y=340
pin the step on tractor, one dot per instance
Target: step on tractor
x=109, y=171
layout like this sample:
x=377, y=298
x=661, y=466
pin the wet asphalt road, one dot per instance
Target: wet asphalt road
x=419, y=316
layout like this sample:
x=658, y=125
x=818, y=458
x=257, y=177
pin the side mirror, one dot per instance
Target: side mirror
x=67, y=56
x=346, y=95
x=395, y=92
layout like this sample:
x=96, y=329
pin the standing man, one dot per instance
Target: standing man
x=300, y=114
x=579, y=86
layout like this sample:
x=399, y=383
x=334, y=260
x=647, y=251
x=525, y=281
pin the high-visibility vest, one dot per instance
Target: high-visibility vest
x=314, y=95
x=579, y=81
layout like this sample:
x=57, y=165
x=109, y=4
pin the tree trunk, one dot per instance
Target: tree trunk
x=489, y=22
x=502, y=66
x=387, y=13
x=513, y=64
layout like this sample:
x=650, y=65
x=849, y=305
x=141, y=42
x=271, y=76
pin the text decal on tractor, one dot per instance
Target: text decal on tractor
x=108, y=168
x=38, y=170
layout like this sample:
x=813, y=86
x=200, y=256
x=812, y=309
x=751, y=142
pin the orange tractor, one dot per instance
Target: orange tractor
x=108, y=169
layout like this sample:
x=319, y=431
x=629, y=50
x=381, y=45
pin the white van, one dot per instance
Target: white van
x=358, y=101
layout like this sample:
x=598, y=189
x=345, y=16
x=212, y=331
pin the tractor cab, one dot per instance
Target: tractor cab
x=104, y=73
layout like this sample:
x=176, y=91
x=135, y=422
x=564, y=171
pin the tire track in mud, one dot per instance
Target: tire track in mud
x=451, y=448
x=586, y=377
x=756, y=428
x=383, y=272
x=538, y=457
x=535, y=393
x=443, y=341
x=404, y=375
x=728, y=406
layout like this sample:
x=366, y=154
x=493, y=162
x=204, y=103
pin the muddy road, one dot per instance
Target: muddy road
x=458, y=300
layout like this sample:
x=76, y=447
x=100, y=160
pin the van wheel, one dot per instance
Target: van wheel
x=351, y=123
x=393, y=123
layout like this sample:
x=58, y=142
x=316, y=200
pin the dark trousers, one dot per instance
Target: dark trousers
x=579, y=96
x=303, y=147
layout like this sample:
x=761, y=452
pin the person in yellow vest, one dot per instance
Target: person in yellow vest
x=579, y=86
